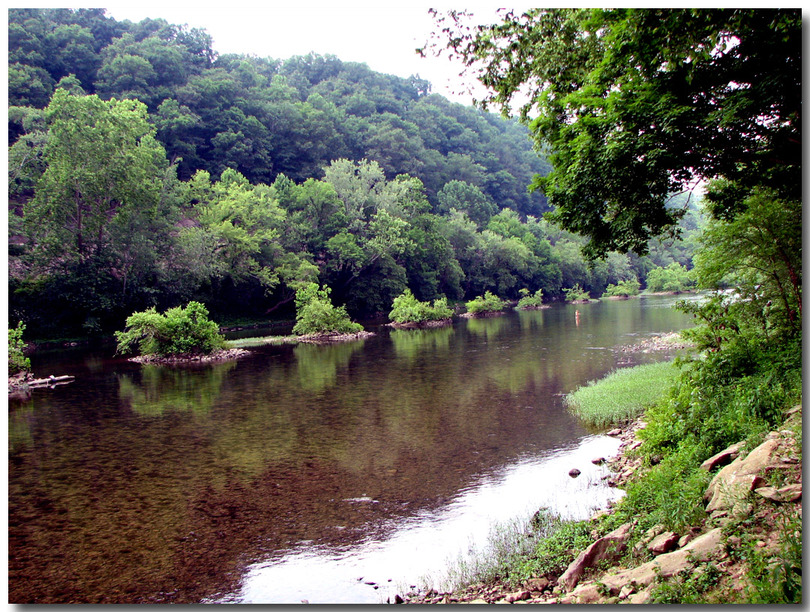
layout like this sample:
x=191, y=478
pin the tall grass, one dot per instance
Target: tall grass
x=622, y=395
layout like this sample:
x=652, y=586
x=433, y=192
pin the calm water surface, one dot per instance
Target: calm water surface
x=307, y=472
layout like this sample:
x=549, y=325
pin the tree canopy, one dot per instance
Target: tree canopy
x=635, y=105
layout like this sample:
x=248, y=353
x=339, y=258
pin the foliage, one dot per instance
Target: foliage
x=576, y=294
x=487, y=303
x=317, y=315
x=625, y=288
x=527, y=300
x=777, y=579
x=623, y=394
x=407, y=309
x=635, y=105
x=179, y=331
x=759, y=255
x=674, y=278
x=17, y=361
x=145, y=171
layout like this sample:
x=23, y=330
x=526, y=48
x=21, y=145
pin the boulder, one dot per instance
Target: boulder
x=789, y=493
x=573, y=473
x=700, y=549
x=608, y=547
x=724, y=457
x=732, y=483
x=663, y=543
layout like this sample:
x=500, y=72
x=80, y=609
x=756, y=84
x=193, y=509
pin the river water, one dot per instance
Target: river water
x=340, y=473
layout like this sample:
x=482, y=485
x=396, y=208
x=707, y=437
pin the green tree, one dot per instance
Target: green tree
x=674, y=278
x=103, y=166
x=316, y=315
x=178, y=331
x=407, y=309
x=635, y=105
x=485, y=304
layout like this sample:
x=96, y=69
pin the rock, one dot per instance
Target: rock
x=663, y=543
x=627, y=590
x=478, y=601
x=538, y=584
x=609, y=547
x=685, y=540
x=668, y=564
x=573, y=473
x=789, y=493
x=586, y=593
x=614, y=432
x=642, y=597
x=598, y=461
x=732, y=483
x=724, y=457
x=519, y=596
x=398, y=599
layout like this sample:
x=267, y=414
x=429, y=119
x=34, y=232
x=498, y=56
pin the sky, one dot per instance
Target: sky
x=383, y=35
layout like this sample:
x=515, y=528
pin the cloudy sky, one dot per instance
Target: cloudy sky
x=381, y=34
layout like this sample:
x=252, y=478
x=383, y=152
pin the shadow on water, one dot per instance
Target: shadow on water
x=154, y=484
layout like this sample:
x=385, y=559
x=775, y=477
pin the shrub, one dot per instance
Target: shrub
x=17, y=361
x=179, y=331
x=576, y=293
x=315, y=313
x=485, y=303
x=530, y=301
x=625, y=288
x=407, y=309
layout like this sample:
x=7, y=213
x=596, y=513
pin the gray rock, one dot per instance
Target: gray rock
x=574, y=473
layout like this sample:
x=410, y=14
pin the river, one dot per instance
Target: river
x=340, y=473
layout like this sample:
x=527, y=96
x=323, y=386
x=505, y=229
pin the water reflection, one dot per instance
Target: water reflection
x=318, y=365
x=410, y=344
x=160, y=389
x=152, y=484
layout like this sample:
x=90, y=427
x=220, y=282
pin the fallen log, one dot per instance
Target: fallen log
x=50, y=381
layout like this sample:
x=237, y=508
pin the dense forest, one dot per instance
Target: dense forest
x=147, y=170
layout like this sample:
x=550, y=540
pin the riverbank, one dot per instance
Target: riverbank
x=748, y=524
x=711, y=513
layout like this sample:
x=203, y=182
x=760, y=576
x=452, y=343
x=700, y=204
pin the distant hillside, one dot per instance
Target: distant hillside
x=264, y=117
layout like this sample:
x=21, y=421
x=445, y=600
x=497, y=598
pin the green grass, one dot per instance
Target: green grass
x=261, y=341
x=622, y=395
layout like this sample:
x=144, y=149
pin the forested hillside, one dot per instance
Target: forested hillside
x=144, y=169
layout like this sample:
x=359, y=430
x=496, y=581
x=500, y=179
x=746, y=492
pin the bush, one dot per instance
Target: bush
x=527, y=300
x=486, y=303
x=315, y=313
x=407, y=309
x=17, y=361
x=179, y=331
x=625, y=288
x=576, y=293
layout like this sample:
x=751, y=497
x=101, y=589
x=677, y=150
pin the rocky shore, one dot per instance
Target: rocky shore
x=607, y=571
x=216, y=356
x=333, y=337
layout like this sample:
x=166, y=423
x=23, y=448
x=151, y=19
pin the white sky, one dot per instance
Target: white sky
x=382, y=35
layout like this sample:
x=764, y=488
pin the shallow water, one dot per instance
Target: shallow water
x=306, y=472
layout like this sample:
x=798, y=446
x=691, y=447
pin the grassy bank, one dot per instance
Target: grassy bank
x=623, y=394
